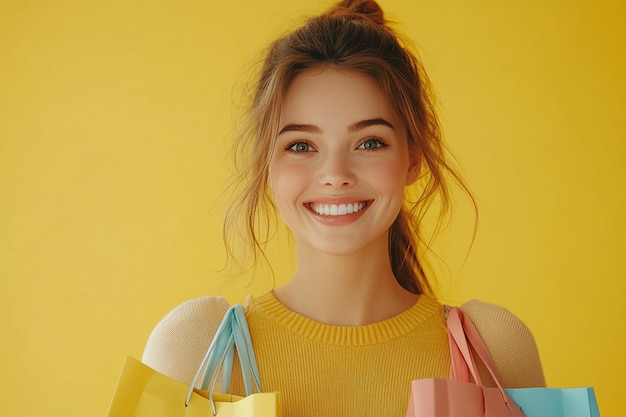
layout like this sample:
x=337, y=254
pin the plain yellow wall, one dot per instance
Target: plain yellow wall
x=114, y=119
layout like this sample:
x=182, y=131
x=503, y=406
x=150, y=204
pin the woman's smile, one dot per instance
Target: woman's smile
x=338, y=214
x=337, y=209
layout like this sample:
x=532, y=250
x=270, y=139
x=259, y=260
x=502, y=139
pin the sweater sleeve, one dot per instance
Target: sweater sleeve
x=510, y=343
x=178, y=343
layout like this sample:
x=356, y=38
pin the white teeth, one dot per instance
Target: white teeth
x=337, y=209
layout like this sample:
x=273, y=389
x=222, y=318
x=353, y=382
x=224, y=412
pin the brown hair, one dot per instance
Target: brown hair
x=352, y=35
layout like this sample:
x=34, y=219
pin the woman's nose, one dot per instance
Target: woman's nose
x=337, y=172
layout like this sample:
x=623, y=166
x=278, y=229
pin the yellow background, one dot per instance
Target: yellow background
x=114, y=120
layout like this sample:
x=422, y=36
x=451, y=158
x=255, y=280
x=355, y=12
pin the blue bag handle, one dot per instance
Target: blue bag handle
x=232, y=333
x=238, y=337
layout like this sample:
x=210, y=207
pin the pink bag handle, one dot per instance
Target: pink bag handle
x=461, y=360
x=461, y=330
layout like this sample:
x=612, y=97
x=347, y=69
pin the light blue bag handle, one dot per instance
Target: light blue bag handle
x=239, y=338
x=233, y=333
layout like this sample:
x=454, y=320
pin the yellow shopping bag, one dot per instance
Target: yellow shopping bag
x=144, y=392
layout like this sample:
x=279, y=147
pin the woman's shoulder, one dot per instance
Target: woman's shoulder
x=179, y=341
x=510, y=342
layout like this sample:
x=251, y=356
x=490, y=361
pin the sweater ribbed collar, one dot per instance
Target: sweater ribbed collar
x=269, y=307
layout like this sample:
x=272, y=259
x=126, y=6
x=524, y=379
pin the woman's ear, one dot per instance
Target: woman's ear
x=414, y=169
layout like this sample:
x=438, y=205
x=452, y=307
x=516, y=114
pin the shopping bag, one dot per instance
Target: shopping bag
x=556, y=402
x=448, y=398
x=144, y=392
x=457, y=397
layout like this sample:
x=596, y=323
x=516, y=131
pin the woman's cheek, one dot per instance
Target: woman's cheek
x=288, y=180
x=387, y=174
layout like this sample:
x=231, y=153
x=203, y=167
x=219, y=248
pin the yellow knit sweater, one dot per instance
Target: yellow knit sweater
x=323, y=370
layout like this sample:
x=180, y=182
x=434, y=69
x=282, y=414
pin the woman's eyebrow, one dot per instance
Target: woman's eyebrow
x=362, y=124
x=300, y=128
x=369, y=122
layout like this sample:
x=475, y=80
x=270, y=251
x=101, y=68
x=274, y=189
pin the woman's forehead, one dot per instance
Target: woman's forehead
x=328, y=96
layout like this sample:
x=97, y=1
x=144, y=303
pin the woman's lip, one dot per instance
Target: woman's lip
x=338, y=200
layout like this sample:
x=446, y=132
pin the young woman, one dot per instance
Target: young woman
x=341, y=123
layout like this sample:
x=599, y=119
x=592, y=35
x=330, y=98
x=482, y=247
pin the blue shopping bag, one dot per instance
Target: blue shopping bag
x=555, y=402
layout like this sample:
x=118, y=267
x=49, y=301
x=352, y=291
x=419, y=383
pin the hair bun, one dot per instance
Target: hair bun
x=364, y=9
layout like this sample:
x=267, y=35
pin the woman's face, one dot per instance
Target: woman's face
x=340, y=162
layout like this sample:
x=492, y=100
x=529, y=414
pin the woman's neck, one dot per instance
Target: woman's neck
x=346, y=290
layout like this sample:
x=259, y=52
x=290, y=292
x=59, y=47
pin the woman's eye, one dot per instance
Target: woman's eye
x=300, y=147
x=372, y=144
